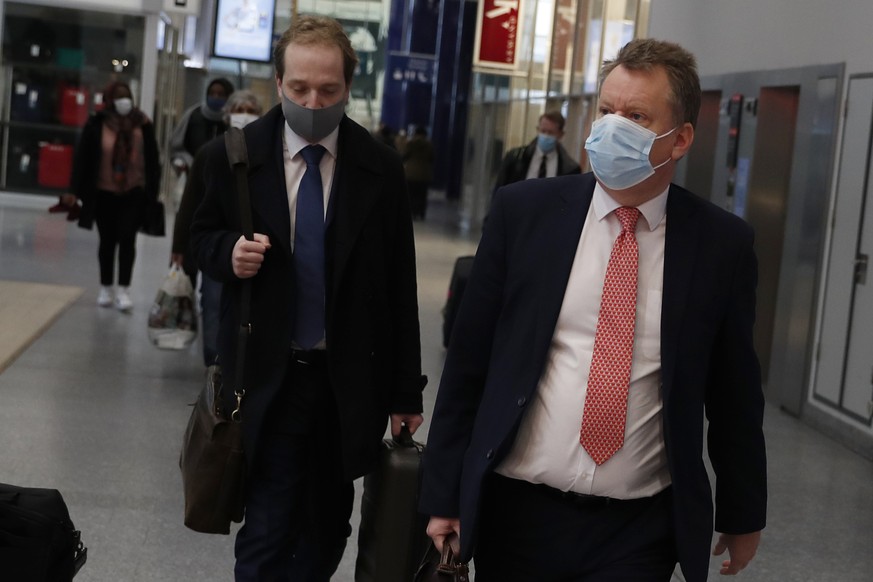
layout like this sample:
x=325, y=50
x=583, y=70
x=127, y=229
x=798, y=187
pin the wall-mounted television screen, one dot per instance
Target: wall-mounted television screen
x=244, y=29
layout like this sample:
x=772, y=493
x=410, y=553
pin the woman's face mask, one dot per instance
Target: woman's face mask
x=123, y=105
x=618, y=150
x=240, y=120
x=313, y=125
x=215, y=103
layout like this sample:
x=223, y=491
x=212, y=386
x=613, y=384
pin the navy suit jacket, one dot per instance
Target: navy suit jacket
x=501, y=341
x=372, y=330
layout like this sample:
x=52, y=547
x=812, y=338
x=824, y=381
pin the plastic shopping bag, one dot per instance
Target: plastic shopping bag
x=173, y=318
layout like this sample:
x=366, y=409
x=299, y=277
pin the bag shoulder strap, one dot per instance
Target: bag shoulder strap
x=238, y=158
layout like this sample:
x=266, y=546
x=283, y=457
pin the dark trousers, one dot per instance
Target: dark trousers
x=529, y=532
x=118, y=218
x=417, y=198
x=297, y=505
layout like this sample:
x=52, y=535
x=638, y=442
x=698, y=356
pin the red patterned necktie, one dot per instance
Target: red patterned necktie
x=605, y=415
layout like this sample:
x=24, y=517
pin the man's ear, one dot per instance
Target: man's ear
x=684, y=139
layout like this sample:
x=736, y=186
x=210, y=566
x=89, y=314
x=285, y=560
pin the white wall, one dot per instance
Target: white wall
x=749, y=35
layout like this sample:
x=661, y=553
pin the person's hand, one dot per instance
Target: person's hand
x=741, y=549
x=412, y=421
x=445, y=530
x=177, y=258
x=68, y=199
x=248, y=255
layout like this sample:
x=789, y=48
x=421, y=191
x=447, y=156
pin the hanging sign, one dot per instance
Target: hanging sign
x=497, y=34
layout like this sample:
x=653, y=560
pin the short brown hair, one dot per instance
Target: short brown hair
x=316, y=30
x=555, y=117
x=646, y=54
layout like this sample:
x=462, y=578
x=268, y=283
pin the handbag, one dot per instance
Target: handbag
x=442, y=566
x=154, y=222
x=212, y=462
x=212, y=459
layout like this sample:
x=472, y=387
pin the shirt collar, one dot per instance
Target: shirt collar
x=295, y=143
x=653, y=211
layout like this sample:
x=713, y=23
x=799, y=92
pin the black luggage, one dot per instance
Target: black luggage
x=392, y=539
x=457, y=284
x=38, y=542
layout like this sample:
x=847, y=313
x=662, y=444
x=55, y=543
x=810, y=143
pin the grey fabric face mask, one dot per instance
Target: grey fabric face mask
x=313, y=125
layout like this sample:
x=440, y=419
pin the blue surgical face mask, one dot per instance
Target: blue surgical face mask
x=215, y=103
x=546, y=142
x=618, y=150
x=313, y=125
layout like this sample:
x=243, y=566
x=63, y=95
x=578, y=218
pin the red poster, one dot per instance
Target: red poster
x=497, y=33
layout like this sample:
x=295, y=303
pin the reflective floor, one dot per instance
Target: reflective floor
x=93, y=409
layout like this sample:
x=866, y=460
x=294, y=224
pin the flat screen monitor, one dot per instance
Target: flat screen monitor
x=244, y=29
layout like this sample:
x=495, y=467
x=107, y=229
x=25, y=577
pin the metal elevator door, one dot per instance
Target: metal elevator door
x=844, y=377
x=767, y=203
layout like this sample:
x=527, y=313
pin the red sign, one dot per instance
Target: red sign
x=497, y=33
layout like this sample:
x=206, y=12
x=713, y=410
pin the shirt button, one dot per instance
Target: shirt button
x=522, y=401
x=489, y=454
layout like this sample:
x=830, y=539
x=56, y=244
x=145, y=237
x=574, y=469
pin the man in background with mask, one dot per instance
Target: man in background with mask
x=605, y=315
x=199, y=124
x=334, y=346
x=544, y=157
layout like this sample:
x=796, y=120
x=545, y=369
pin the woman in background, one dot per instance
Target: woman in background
x=116, y=174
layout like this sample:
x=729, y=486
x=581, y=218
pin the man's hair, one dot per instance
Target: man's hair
x=555, y=117
x=646, y=54
x=316, y=30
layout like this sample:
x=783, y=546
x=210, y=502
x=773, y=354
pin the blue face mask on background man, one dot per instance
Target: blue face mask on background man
x=618, y=150
x=546, y=142
x=215, y=103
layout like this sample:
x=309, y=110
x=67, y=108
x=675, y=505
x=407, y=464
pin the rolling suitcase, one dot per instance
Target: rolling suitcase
x=38, y=542
x=30, y=101
x=55, y=165
x=457, y=284
x=392, y=538
x=72, y=105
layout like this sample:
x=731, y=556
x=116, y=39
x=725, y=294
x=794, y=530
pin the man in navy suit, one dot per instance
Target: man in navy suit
x=509, y=480
x=334, y=347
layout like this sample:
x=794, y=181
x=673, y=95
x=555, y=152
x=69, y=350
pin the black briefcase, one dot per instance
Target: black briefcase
x=392, y=539
x=38, y=542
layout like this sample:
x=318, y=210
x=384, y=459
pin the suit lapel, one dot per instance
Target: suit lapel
x=356, y=188
x=564, y=223
x=267, y=178
x=680, y=250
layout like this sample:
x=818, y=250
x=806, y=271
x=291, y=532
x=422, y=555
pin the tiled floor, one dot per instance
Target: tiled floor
x=92, y=409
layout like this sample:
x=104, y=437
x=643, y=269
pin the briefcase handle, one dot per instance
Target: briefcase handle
x=404, y=439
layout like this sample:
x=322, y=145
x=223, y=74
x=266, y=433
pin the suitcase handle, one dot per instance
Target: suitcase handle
x=404, y=439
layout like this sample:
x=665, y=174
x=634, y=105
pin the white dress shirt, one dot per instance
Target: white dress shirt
x=547, y=448
x=533, y=170
x=295, y=167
